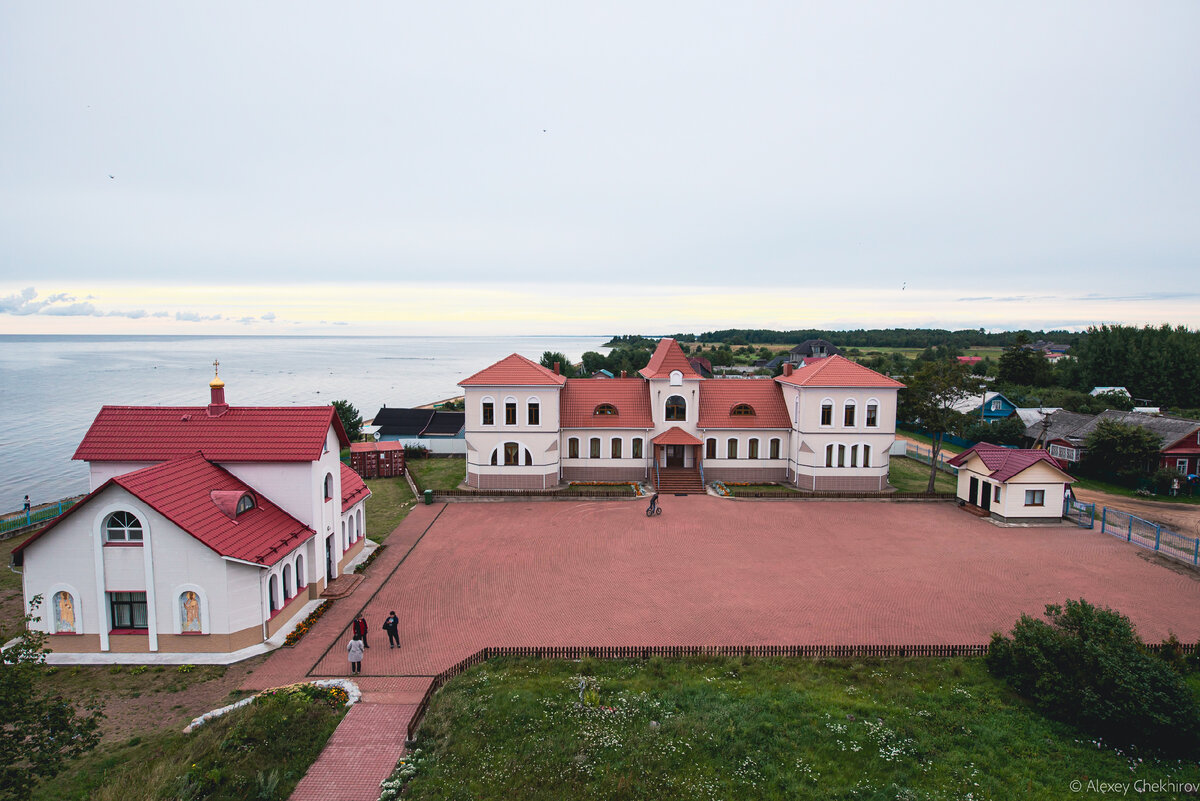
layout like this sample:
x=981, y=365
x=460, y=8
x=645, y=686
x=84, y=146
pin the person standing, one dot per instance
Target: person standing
x=354, y=652
x=27, y=506
x=360, y=630
x=392, y=627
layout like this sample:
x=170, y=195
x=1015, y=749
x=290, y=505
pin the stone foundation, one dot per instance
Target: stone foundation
x=489, y=481
x=604, y=473
x=756, y=475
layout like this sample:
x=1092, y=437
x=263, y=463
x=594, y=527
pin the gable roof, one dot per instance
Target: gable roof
x=395, y=422
x=837, y=371
x=808, y=346
x=514, y=371
x=1074, y=428
x=630, y=397
x=675, y=436
x=445, y=423
x=719, y=396
x=240, y=434
x=1006, y=463
x=354, y=489
x=192, y=492
x=667, y=358
x=972, y=403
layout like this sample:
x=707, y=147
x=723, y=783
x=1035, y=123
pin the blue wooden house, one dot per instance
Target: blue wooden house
x=988, y=407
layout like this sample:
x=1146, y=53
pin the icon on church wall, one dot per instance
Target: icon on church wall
x=189, y=610
x=64, y=613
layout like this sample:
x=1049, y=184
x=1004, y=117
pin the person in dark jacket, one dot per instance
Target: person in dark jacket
x=360, y=630
x=392, y=627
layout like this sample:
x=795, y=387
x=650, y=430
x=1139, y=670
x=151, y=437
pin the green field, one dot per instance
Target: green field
x=731, y=728
x=438, y=473
x=909, y=475
x=390, y=502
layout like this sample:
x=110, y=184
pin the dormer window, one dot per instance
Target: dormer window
x=742, y=410
x=676, y=378
x=244, y=504
x=605, y=409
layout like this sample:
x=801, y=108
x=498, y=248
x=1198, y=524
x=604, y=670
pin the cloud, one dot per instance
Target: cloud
x=193, y=317
x=269, y=317
x=246, y=320
x=161, y=314
x=22, y=303
x=72, y=310
x=136, y=314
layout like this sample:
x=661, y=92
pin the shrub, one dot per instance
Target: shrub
x=1087, y=667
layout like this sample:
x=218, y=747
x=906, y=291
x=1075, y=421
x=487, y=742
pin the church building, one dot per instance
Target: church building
x=207, y=529
x=824, y=425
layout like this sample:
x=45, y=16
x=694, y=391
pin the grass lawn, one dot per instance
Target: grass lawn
x=438, y=473
x=390, y=502
x=728, y=728
x=780, y=489
x=595, y=489
x=946, y=446
x=260, y=751
x=1117, y=489
x=909, y=475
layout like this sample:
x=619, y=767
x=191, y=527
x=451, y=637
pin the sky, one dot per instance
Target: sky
x=598, y=168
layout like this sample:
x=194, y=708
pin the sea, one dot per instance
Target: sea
x=51, y=387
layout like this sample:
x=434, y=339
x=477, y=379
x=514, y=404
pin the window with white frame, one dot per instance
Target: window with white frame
x=127, y=610
x=676, y=408
x=616, y=448
x=829, y=456
x=594, y=448
x=731, y=448
x=854, y=456
x=827, y=413
x=329, y=486
x=841, y=456
x=573, y=447
x=487, y=415
x=848, y=414
x=872, y=414
x=122, y=527
x=752, y=452
x=534, y=413
x=1035, y=497
x=635, y=450
x=710, y=448
x=866, y=453
x=510, y=413
x=775, y=448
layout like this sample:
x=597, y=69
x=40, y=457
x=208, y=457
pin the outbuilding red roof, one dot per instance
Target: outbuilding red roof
x=668, y=357
x=836, y=371
x=675, y=436
x=629, y=396
x=514, y=371
x=1005, y=463
x=354, y=489
x=193, y=493
x=239, y=434
x=719, y=396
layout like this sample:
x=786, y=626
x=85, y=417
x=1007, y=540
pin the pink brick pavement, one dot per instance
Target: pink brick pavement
x=707, y=572
x=360, y=754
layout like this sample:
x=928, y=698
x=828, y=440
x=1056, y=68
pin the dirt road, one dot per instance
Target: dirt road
x=1180, y=517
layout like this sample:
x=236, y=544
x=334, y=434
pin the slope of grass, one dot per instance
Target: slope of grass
x=258, y=752
x=390, y=502
x=909, y=475
x=753, y=728
x=438, y=473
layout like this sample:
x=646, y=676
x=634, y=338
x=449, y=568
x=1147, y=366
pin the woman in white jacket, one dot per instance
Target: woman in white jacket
x=354, y=651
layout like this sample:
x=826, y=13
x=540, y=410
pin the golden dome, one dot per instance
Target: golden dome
x=216, y=383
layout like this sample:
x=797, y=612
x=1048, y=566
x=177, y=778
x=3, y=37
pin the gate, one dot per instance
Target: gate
x=1080, y=513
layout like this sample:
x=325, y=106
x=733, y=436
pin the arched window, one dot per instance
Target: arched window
x=345, y=542
x=244, y=504
x=533, y=411
x=487, y=412
x=273, y=592
x=288, y=589
x=301, y=576
x=841, y=456
x=361, y=529
x=616, y=448
x=122, y=527
x=827, y=412
x=495, y=456
x=510, y=411
x=848, y=414
x=66, y=613
x=872, y=413
x=753, y=453
x=528, y=458
x=329, y=486
x=676, y=408
x=742, y=410
x=190, y=615
x=710, y=448
x=731, y=448
x=512, y=454
x=573, y=448
x=594, y=448
x=775, y=448
x=854, y=456
x=605, y=408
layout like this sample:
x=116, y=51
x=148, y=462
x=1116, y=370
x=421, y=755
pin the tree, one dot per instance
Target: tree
x=1020, y=365
x=1122, y=450
x=351, y=420
x=929, y=399
x=39, y=731
x=552, y=357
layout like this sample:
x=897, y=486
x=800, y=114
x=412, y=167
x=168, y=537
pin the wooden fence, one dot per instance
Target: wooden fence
x=739, y=492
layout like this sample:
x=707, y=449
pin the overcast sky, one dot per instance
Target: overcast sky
x=598, y=168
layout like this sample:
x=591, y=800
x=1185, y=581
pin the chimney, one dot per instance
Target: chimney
x=216, y=388
x=623, y=374
x=556, y=368
x=787, y=368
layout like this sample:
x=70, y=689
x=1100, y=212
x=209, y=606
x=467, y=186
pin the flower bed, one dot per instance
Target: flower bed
x=362, y=566
x=295, y=635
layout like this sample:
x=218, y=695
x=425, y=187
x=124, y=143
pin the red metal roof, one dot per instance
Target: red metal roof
x=514, y=371
x=675, y=436
x=836, y=371
x=629, y=396
x=359, y=447
x=668, y=356
x=192, y=493
x=354, y=489
x=1005, y=463
x=240, y=434
x=718, y=396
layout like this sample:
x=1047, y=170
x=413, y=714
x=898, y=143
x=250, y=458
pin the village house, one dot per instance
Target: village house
x=825, y=425
x=438, y=431
x=1011, y=485
x=1064, y=434
x=207, y=529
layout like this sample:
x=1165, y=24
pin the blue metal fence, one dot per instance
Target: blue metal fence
x=25, y=519
x=1151, y=536
x=1080, y=513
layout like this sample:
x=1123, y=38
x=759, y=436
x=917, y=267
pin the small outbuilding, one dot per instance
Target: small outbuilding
x=1012, y=485
x=377, y=459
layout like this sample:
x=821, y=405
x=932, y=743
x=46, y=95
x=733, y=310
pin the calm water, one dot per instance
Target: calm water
x=52, y=386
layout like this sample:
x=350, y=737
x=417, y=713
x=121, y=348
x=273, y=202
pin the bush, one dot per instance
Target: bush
x=1162, y=478
x=1087, y=667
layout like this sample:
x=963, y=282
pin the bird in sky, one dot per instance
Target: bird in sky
x=111, y=176
x=902, y=286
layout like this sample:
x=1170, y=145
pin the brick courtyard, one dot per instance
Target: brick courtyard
x=720, y=572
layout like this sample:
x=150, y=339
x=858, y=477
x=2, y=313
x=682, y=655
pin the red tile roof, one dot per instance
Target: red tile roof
x=668, y=356
x=192, y=492
x=1005, y=463
x=515, y=371
x=836, y=371
x=675, y=436
x=718, y=396
x=354, y=489
x=241, y=434
x=630, y=397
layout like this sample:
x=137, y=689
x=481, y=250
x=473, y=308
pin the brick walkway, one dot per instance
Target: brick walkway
x=360, y=754
x=713, y=572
